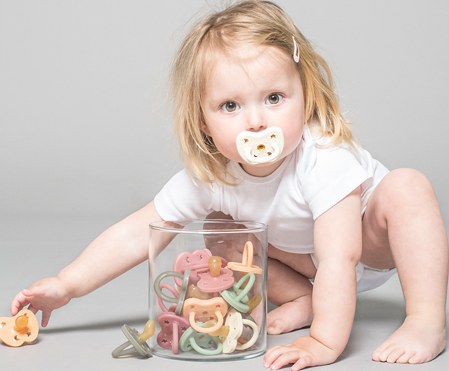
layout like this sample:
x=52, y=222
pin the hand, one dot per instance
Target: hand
x=44, y=295
x=303, y=352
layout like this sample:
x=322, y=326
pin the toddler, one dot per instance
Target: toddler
x=263, y=138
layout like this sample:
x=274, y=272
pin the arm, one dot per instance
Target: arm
x=113, y=252
x=338, y=246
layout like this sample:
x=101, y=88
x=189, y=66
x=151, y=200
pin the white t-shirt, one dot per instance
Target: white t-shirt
x=309, y=181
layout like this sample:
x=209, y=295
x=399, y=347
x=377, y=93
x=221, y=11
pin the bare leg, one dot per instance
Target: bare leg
x=292, y=292
x=403, y=227
x=287, y=286
x=292, y=271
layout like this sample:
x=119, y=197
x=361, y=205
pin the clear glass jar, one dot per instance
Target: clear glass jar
x=208, y=289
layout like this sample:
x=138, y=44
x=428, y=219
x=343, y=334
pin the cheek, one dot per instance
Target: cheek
x=226, y=145
x=293, y=135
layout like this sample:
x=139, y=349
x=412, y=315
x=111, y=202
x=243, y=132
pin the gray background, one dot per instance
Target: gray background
x=86, y=138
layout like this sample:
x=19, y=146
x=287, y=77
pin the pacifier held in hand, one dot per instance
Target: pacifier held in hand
x=20, y=329
x=260, y=147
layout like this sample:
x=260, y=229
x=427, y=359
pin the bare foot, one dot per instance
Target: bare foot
x=416, y=341
x=290, y=316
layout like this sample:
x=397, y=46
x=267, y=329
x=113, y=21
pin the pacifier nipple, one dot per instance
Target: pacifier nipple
x=260, y=147
x=21, y=324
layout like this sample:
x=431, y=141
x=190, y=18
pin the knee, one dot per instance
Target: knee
x=404, y=185
x=407, y=181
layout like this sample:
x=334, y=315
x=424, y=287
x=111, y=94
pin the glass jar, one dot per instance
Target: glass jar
x=208, y=289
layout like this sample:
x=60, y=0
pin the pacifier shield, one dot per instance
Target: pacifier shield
x=260, y=147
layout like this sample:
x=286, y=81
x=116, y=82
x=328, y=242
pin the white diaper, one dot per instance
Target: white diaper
x=368, y=278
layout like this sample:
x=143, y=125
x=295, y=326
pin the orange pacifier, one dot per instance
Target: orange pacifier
x=22, y=328
x=205, y=311
x=247, y=261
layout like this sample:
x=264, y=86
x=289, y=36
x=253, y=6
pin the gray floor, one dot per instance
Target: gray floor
x=83, y=334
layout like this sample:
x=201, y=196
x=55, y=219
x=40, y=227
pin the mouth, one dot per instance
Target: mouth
x=260, y=147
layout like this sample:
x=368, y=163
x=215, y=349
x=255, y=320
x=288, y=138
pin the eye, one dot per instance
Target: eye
x=274, y=98
x=229, y=106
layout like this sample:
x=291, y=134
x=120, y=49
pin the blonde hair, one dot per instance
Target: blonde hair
x=256, y=23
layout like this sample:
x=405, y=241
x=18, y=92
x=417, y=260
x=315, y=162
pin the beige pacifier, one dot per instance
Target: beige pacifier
x=262, y=146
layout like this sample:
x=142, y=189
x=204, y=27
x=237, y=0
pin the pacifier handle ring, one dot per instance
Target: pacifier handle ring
x=204, y=351
x=136, y=345
x=253, y=339
x=183, y=291
x=188, y=342
x=178, y=297
x=161, y=301
x=246, y=265
x=248, y=252
x=206, y=330
x=157, y=285
x=251, y=278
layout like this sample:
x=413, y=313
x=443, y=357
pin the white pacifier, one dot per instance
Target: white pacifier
x=260, y=147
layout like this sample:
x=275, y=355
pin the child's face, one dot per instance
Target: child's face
x=251, y=89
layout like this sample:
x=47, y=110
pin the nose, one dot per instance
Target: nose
x=255, y=120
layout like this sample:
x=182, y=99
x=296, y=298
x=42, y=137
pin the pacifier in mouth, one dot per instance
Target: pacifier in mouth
x=260, y=147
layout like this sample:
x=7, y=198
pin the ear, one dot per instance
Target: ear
x=205, y=129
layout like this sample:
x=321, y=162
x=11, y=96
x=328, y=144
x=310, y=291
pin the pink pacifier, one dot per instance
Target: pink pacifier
x=262, y=146
x=247, y=261
x=205, y=311
x=217, y=279
x=196, y=261
x=172, y=327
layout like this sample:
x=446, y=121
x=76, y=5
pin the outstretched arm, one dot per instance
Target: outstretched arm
x=113, y=252
x=338, y=245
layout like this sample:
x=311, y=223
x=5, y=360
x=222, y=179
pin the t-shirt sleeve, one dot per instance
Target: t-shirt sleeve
x=182, y=198
x=332, y=174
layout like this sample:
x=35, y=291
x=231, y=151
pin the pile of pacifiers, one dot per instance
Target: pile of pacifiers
x=206, y=303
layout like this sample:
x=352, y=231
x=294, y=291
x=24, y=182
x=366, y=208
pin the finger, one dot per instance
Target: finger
x=288, y=358
x=19, y=301
x=32, y=308
x=271, y=355
x=45, y=318
x=301, y=363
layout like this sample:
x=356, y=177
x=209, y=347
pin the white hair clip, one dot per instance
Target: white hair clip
x=295, y=50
